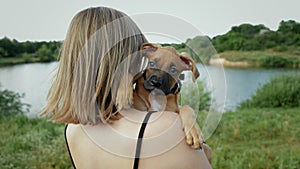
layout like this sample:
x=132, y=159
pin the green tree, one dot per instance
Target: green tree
x=45, y=54
x=3, y=52
x=247, y=37
x=29, y=47
x=200, y=48
x=248, y=30
x=289, y=26
x=8, y=46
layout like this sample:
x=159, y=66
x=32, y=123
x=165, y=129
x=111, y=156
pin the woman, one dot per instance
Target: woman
x=98, y=41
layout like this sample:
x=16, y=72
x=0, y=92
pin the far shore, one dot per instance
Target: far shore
x=16, y=61
x=226, y=63
x=255, y=59
x=242, y=64
x=234, y=59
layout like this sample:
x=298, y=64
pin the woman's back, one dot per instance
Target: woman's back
x=114, y=145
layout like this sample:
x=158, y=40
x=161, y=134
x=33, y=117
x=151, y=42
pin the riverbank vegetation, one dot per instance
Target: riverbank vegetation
x=257, y=45
x=266, y=59
x=264, y=132
x=28, y=143
x=251, y=137
x=247, y=37
x=14, y=52
x=32, y=143
x=279, y=91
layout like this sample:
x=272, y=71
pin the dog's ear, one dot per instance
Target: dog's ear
x=188, y=60
x=148, y=48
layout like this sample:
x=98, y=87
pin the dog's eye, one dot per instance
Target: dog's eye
x=173, y=70
x=151, y=64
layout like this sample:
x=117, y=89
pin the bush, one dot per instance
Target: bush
x=204, y=97
x=27, y=57
x=10, y=103
x=281, y=91
x=281, y=48
x=196, y=95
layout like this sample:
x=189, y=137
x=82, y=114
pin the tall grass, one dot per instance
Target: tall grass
x=257, y=139
x=28, y=143
x=32, y=143
x=274, y=61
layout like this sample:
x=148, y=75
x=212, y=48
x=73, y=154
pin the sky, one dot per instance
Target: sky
x=41, y=20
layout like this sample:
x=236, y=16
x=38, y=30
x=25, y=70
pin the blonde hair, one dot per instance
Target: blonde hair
x=97, y=41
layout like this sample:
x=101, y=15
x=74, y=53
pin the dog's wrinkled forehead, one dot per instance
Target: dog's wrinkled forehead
x=168, y=59
x=165, y=57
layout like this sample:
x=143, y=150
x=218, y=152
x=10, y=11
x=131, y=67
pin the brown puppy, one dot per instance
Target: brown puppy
x=157, y=89
x=160, y=81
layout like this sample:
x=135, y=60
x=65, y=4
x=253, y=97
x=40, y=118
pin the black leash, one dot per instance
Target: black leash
x=140, y=140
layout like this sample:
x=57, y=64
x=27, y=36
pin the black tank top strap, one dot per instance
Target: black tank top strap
x=68, y=147
x=140, y=140
x=138, y=146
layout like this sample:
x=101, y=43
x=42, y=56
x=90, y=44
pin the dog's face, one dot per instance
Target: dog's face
x=165, y=65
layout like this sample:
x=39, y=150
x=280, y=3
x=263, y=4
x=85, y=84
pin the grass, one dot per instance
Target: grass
x=258, y=139
x=248, y=138
x=32, y=143
x=268, y=58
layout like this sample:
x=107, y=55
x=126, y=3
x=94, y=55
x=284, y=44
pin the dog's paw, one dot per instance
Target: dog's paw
x=192, y=131
x=195, y=139
x=193, y=136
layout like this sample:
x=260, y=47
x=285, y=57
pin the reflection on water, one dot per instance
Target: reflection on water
x=239, y=84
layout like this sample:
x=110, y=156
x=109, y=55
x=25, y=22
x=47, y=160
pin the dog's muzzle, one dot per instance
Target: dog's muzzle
x=160, y=83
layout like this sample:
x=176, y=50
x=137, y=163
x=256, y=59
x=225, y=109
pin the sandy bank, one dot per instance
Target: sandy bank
x=226, y=63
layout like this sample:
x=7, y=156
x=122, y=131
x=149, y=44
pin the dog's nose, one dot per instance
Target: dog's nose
x=155, y=81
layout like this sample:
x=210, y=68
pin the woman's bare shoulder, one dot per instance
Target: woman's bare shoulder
x=163, y=132
x=163, y=144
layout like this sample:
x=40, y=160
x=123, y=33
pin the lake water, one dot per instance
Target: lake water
x=229, y=86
